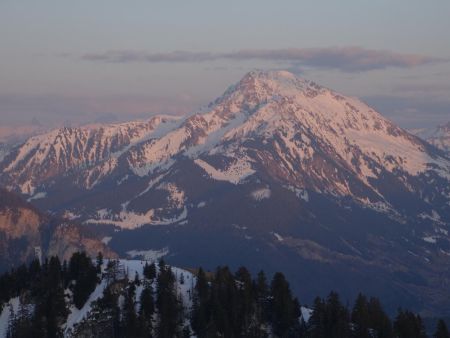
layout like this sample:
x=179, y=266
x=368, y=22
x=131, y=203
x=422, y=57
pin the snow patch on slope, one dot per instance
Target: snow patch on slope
x=148, y=255
x=176, y=196
x=433, y=216
x=37, y=196
x=300, y=193
x=77, y=315
x=235, y=173
x=125, y=219
x=278, y=237
x=430, y=239
x=131, y=220
x=260, y=194
x=106, y=240
x=11, y=306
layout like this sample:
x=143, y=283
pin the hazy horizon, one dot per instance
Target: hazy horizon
x=89, y=62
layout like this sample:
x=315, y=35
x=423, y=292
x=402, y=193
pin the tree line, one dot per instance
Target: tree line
x=42, y=293
x=219, y=304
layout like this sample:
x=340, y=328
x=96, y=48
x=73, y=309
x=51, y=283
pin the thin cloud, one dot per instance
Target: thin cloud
x=125, y=56
x=348, y=59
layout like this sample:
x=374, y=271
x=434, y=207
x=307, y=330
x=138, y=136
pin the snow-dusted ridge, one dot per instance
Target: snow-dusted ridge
x=131, y=268
x=94, y=149
x=442, y=138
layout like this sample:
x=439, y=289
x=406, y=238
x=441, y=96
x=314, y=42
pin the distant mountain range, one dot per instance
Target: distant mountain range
x=278, y=173
x=439, y=136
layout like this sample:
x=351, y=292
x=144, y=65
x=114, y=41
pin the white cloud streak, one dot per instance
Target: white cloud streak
x=347, y=59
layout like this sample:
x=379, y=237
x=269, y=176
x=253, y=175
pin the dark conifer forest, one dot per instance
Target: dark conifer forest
x=223, y=303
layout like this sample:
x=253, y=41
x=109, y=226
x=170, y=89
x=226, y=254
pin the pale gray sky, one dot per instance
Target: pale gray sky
x=80, y=61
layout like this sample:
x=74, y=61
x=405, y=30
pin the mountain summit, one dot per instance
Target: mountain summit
x=441, y=137
x=278, y=171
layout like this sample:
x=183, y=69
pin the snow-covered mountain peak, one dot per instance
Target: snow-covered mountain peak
x=270, y=124
x=438, y=136
x=258, y=87
x=294, y=97
x=445, y=127
x=278, y=98
x=275, y=79
x=441, y=137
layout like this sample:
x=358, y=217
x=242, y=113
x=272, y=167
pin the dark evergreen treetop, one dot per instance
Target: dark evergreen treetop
x=441, y=330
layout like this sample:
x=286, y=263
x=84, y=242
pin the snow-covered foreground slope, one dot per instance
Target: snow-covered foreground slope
x=80, y=322
x=12, y=307
x=132, y=269
x=77, y=316
x=87, y=321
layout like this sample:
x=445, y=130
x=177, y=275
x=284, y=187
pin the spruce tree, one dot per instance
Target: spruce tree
x=34, y=270
x=200, y=305
x=109, y=307
x=112, y=271
x=181, y=279
x=150, y=271
x=146, y=311
x=136, y=281
x=161, y=264
x=84, y=273
x=317, y=321
x=99, y=262
x=262, y=297
x=408, y=325
x=337, y=317
x=50, y=309
x=441, y=330
x=360, y=317
x=130, y=322
x=380, y=322
x=246, y=300
x=283, y=309
x=224, y=301
x=169, y=308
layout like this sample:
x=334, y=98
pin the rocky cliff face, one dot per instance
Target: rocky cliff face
x=26, y=233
